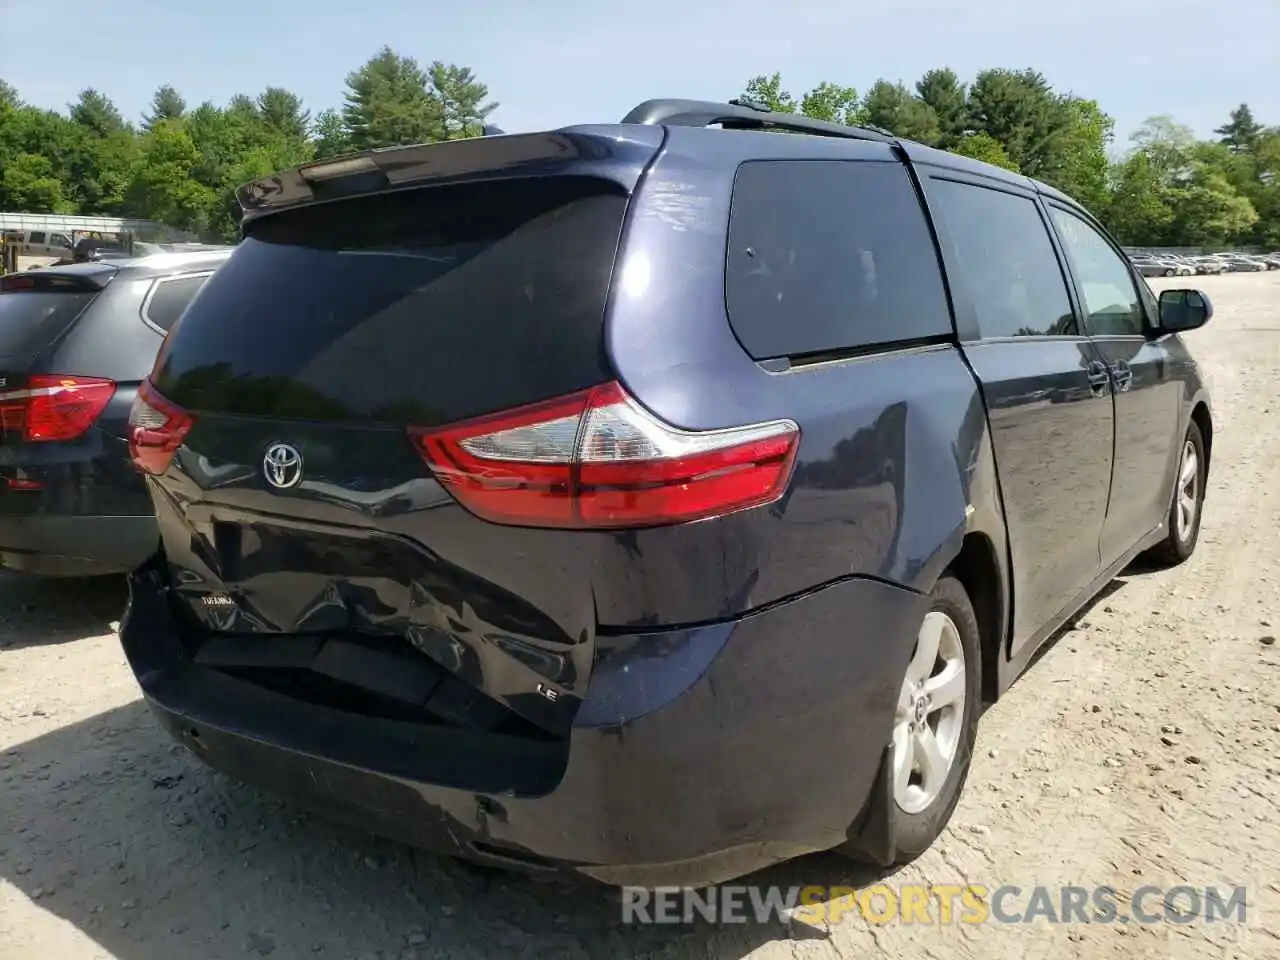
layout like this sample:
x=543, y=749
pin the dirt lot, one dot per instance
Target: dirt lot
x=1143, y=748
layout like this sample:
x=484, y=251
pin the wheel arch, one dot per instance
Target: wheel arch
x=977, y=567
x=1202, y=417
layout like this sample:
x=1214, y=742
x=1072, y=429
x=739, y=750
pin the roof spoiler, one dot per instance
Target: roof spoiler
x=743, y=114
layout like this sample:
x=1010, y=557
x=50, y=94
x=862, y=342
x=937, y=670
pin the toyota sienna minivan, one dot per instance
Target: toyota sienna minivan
x=650, y=501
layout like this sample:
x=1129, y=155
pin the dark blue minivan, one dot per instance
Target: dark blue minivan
x=653, y=501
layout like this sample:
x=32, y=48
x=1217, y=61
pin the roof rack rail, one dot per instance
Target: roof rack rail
x=742, y=114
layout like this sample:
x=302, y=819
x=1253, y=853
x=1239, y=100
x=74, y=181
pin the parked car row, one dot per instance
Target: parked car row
x=1178, y=265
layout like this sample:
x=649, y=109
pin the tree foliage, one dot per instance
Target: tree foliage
x=1165, y=188
x=180, y=165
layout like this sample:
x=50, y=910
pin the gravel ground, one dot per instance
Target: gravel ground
x=1142, y=748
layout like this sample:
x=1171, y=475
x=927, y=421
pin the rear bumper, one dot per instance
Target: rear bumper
x=75, y=546
x=726, y=749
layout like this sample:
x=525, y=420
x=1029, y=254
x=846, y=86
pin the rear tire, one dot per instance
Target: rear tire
x=936, y=721
x=1187, y=504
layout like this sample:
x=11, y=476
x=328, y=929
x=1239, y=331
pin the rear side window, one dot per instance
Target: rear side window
x=1005, y=261
x=827, y=256
x=423, y=306
x=31, y=320
x=170, y=298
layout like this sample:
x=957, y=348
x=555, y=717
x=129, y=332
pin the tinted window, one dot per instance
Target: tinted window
x=1005, y=261
x=1110, y=296
x=829, y=255
x=31, y=320
x=37, y=238
x=170, y=298
x=424, y=306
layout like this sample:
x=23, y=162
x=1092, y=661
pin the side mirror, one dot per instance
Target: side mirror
x=1184, y=310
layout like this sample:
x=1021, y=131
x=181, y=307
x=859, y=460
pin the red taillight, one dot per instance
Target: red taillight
x=599, y=459
x=157, y=428
x=54, y=407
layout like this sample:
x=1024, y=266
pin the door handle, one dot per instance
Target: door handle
x=1099, y=378
x=1122, y=373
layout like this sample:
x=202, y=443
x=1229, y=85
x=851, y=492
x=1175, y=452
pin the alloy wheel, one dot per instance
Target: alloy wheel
x=929, y=720
x=1188, y=491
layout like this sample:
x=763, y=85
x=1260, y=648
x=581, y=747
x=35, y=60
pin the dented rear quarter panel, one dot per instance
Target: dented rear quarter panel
x=895, y=446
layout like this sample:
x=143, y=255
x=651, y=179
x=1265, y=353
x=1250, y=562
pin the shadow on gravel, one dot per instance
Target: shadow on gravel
x=1074, y=623
x=35, y=611
x=112, y=828
x=1142, y=566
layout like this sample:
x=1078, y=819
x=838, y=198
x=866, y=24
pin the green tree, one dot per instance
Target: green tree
x=166, y=104
x=984, y=147
x=114, y=160
x=164, y=186
x=1139, y=210
x=53, y=138
x=183, y=166
x=767, y=90
x=1264, y=191
x=96, y=113
x=1076, y=161
x=464, y=100
x=833, y=103
x=245, y=140
x=283, y=115
x=892, y=107
x=388, y=103
x=1242, y=132
x=329, y=133
x=1209, y=210
x=30, y=184
x=1020, y=109
x=1166, y=143
x=942, y=91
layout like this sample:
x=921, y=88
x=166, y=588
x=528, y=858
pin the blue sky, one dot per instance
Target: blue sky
x=566, y=61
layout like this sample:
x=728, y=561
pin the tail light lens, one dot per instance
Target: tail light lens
x=597, y=459
x=53, y=407
x=157, y=428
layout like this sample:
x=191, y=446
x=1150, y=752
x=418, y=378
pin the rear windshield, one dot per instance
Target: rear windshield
x=31, y=320
x=421, y=307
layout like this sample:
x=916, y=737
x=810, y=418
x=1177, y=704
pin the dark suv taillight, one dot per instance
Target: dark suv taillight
x=597, y=459
x=54, y=407
x=157, y=428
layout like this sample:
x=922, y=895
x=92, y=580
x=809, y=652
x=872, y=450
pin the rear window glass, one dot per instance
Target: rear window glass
x=30, y=321
x=826, y=256
x=170, y=298
x=423, y=306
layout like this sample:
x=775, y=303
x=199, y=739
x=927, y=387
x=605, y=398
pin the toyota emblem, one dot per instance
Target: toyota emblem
x=282, y=466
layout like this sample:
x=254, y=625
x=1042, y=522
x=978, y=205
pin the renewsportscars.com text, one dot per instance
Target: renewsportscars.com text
x=938, y=904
